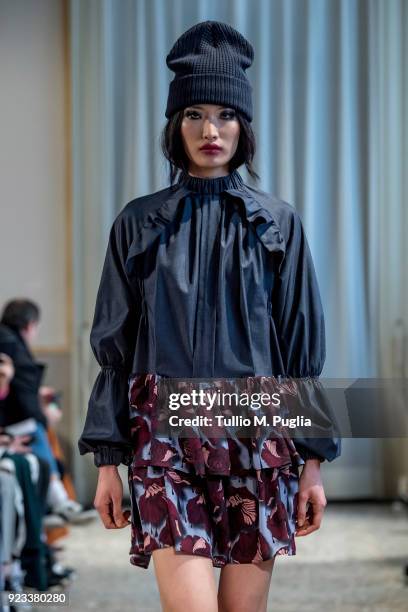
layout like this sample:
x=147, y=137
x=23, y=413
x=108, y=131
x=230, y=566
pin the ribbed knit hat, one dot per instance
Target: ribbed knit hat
x=209, y=61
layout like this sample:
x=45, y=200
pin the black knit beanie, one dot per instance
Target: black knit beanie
x=209, y=61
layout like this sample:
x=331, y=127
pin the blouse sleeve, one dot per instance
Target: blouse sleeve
x=106, y=430
x=299, y=320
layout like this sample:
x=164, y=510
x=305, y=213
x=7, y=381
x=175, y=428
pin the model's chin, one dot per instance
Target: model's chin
x=211, y=160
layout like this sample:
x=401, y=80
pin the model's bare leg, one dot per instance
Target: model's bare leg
x=186, y=582
x=244, y=587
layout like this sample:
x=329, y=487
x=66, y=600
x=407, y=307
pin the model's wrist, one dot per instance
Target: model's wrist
x=312, y=463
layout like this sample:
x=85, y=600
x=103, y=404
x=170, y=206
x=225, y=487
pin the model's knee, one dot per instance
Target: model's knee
x=179, y=599
x=173, y=603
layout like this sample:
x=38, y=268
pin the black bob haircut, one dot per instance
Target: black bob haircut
x=19, y=312
x=173, y=148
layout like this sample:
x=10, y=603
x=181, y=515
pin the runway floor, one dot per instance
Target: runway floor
x=354, y=563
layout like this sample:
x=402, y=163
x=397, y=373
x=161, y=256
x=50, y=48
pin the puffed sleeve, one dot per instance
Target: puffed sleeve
x=299, y=320
x=117, y=310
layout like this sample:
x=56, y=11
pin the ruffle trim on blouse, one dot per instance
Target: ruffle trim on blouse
x=201, y=455
x=262, y=221
x=265, y=226
x=152, y=226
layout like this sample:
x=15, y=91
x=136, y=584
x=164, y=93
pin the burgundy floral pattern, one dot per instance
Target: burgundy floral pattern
x=229, y=519
x=231, y=499
x=202, y=454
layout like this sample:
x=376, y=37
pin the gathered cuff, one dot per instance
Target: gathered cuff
x=106, y=431
x=307, y=453
x=306, y=397
x=106, y=455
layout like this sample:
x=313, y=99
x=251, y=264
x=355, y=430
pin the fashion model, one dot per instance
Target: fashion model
x=208, y=278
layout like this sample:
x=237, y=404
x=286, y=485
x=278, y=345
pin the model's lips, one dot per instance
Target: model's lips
x=210, y=148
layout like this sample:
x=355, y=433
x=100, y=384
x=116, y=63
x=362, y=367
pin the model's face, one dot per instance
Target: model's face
x=209, y=124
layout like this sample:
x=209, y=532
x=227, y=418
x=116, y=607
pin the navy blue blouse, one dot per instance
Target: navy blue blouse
x=206, y=278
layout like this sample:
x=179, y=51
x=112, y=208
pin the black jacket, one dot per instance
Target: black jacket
x=23, y=401
x=165, y=305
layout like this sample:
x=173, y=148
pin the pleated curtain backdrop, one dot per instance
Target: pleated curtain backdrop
x=330, y=117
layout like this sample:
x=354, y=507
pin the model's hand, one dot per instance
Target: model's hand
x=310, y=492
x=108, y=498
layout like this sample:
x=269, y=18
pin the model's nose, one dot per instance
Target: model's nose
x=210, y=130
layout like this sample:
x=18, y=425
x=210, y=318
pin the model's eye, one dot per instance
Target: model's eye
x=228, y=114
x=190, y=114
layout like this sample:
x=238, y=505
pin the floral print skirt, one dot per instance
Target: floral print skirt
x=230, y=500
x=229, y=519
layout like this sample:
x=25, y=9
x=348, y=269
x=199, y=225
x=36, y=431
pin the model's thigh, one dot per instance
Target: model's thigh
x=244, y=587
x=186, y=582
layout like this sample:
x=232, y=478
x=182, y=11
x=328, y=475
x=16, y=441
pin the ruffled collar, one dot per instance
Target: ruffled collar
x=211, y=186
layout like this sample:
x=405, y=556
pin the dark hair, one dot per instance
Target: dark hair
x=173, y=148
x=18, y=313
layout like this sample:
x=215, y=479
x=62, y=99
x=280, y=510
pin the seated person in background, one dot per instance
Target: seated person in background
x=21, y=410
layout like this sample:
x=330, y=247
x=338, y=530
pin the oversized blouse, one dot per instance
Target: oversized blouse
x=206, y=278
